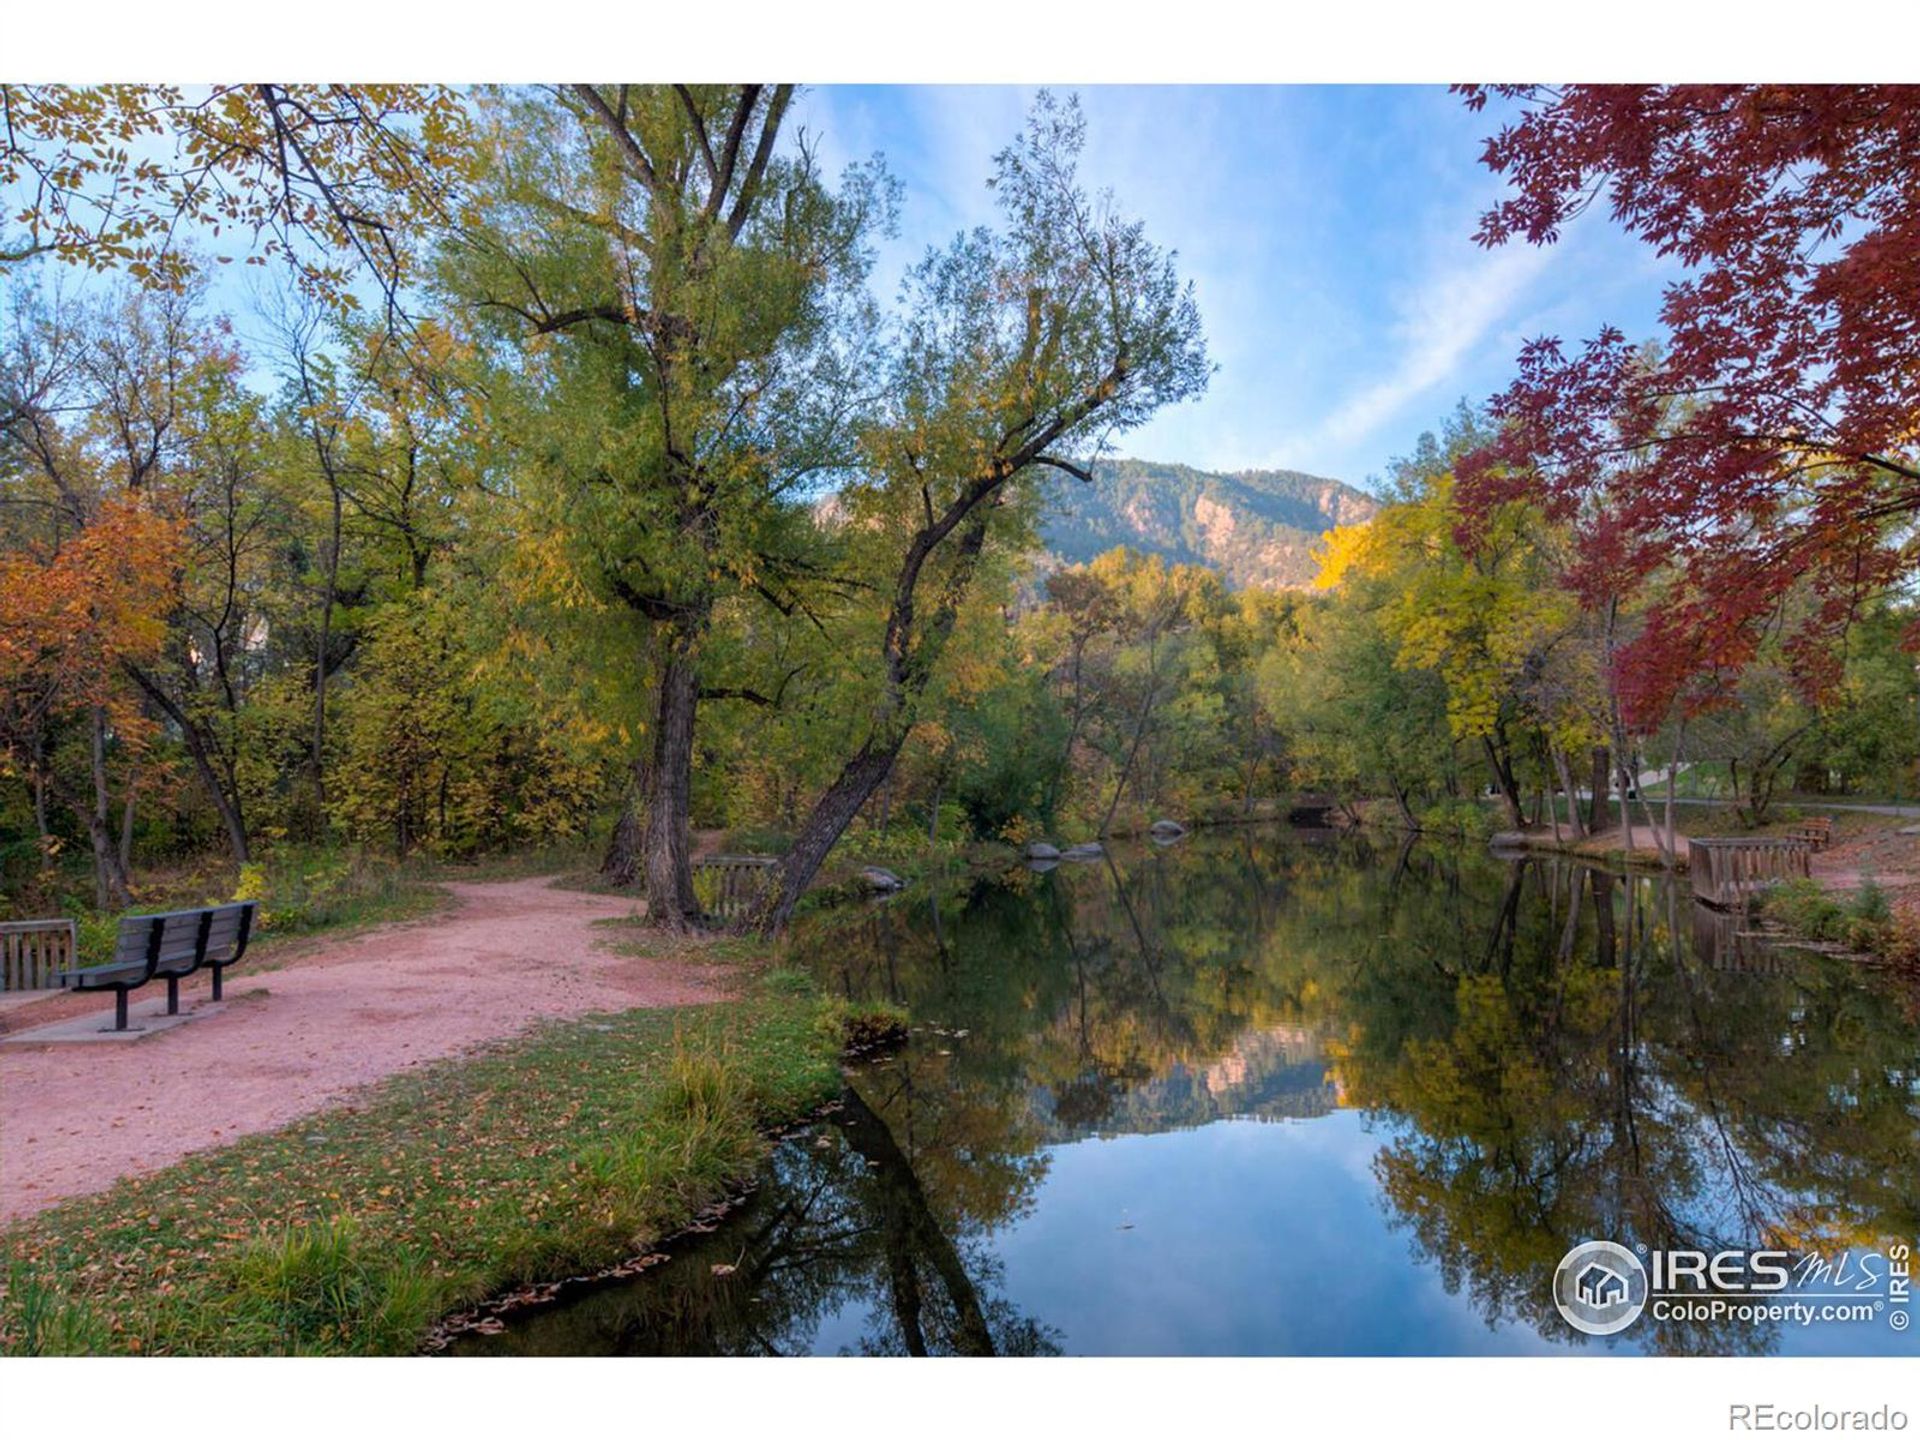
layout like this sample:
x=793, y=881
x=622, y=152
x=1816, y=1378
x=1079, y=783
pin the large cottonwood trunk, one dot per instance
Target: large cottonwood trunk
x=909, y=666
x=832, y=813
x=667, y=862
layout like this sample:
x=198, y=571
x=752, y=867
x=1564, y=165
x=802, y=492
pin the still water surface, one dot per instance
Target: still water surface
x=1263, y=1093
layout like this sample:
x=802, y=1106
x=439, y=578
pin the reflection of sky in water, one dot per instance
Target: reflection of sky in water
x=1246, y=1239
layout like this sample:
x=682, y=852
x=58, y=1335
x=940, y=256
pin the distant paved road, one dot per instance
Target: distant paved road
x=1904, y=812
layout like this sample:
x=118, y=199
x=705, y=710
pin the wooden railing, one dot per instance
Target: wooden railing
x=729, y=886
x=1726, y=871
x=33, y=951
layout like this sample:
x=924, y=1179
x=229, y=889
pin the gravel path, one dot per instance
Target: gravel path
x=299, y=1037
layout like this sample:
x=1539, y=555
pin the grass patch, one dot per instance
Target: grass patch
x=351, y=1231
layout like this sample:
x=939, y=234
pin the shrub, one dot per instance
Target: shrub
x=1870, y=901
x=1863, y=923
x=1900, y=942
x=1803, y=907
x=1468, y=819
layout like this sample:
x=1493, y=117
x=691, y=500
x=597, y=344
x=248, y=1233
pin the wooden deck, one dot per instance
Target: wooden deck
x=33, y=951
x=1727, y=871
x=729, y=886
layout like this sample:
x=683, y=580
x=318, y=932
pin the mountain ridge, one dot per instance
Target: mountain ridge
x=1256, y=527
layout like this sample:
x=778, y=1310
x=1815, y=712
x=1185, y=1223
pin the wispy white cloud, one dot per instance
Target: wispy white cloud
x=1440, y=322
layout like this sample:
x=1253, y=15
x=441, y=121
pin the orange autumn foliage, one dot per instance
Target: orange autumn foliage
x=68, y=621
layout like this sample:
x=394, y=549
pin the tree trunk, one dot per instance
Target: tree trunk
x=1407, y=816
x=1564, y=772
x=668, y=865
x=933, y=810
x=621, y=865
x=1673, y=775
x=42, y=826
x=226, y=805
x=826, y=822
x=1126, y=769
x=1503, y=780
x=316, y=758
x=110, y=888
x=126, y=824
x=1602, y=784
x=908, y=668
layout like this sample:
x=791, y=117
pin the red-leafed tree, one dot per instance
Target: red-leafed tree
x=1771, y=447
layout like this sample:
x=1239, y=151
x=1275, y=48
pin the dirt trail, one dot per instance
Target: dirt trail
x=299, y=1037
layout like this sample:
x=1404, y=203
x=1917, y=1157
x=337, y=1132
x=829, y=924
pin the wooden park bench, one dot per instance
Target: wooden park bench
x=169, y=946
x=1817, y=832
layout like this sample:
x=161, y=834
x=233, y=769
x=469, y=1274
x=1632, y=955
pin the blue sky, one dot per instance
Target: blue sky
x=1328, y=232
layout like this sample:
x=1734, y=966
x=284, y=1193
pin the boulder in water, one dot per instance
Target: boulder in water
x=881, y=880
x=1041, y=850
x=1167, y=829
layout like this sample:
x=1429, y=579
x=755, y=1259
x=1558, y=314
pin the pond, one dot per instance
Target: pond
x=1267, y=1092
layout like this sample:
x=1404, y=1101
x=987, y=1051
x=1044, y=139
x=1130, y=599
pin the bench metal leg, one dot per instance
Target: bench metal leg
x=119, y=1009
x=173, y=995
x=218, y=971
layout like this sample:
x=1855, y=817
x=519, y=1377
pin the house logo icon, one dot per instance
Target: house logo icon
x=1600, y=1288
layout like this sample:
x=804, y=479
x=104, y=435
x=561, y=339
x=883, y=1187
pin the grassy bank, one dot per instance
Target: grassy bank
x=351, y=1231
x=1862, y=922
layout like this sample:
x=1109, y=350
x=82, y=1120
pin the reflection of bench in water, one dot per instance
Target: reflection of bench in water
x=1726, y=872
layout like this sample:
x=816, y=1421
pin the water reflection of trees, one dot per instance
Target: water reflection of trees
x=1550, y=1053
x=1555, y=1053
x=1589, y=1074
x=842, y=1225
